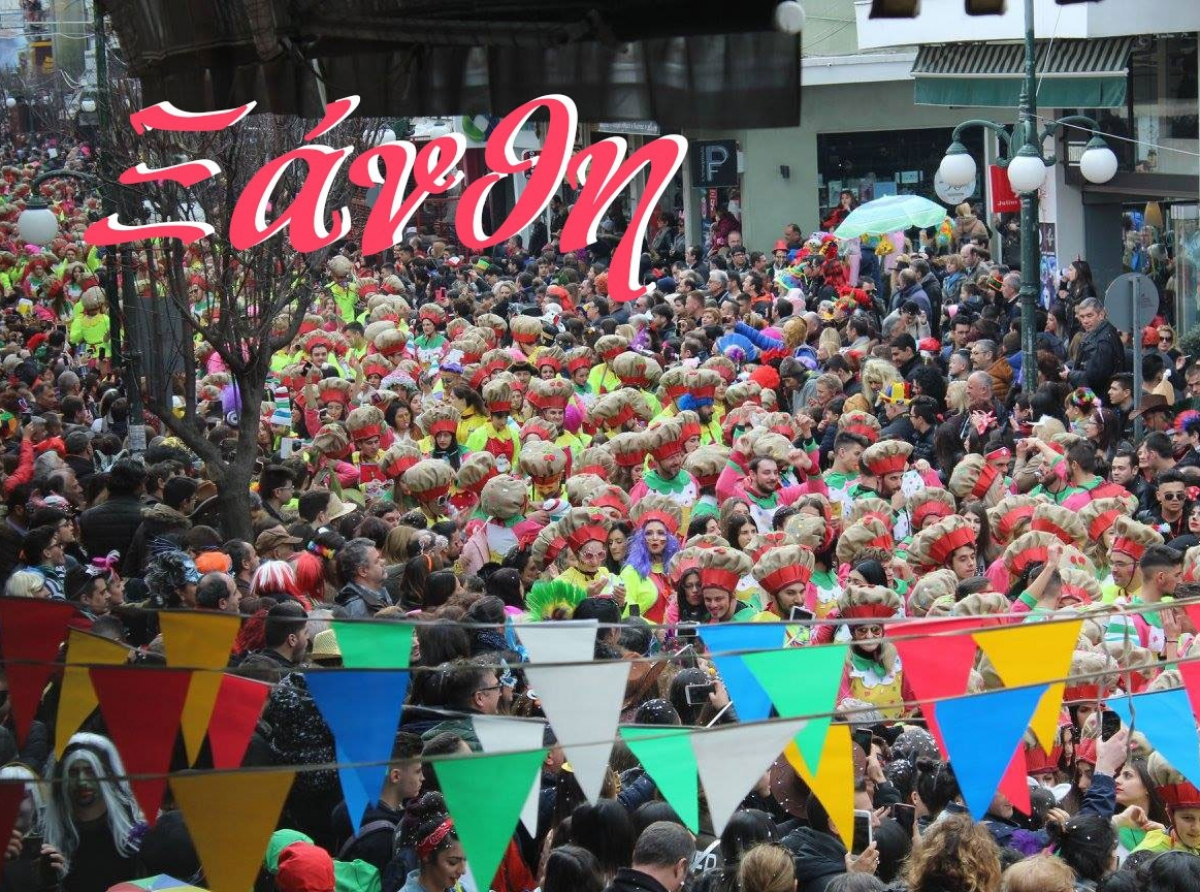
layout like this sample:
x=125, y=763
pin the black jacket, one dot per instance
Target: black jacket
x=111, y=525
x=1101, y=355
x=630, y=880
x=373, y=846
x=819, y=858
x=157, y=521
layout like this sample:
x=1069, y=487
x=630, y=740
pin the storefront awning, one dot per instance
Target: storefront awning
x=1071, y=74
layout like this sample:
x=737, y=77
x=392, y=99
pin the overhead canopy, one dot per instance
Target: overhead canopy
x=1071, y=73
x=675, y=62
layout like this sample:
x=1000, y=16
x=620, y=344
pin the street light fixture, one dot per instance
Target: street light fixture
x=37, y=224
x=1027, y=167
x=10, y=102
x=88, y=105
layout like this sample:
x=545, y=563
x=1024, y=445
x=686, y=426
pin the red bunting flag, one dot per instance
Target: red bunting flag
x=1191, y=683
x=32, y=631
x=239, y=704
x=142, y=709
x=941, y=670
x=11, y=797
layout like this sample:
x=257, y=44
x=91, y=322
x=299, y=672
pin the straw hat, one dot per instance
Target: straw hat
x=390, y=342
x=722, y=568
x=672, y=383
x=702, y=384
x=1132, y=538
x=610, y=499
x=475, y=472
x=429, y=479
x=583, y=525
x=654, y=507
x=706, y=463
x=665, y=439
x=494, y=361
x=543, y=462
x=933, y=546
x=499, y=396
x=871, y=532
x=365, y=423
x=635, y=370
x=974, y=479
x=581, y=486
x=400, y=456
x=1058, y=521
x=628, y=449
x=862, y=423
x=743, y=392
x=1028, y=548
x=887, y=457
x=439, y=418
x=613, y=410
x=611, y=346
x=579, y=358
x=1098, y=516
x=535, y=429
x=551, y=357
x=927, y=502
x=1011, y=516
x=597, y=460
x=928, y=588
x=503, y=497
x=431, y=312
x=376, y=364
x=332, y=440
x=808, y=531
x=781, y=567
x=334, y=390
x=869, y=507
x=550, y=393
x=868, y=602
x=1079, y=587
x=325, y=646
x=526, y=329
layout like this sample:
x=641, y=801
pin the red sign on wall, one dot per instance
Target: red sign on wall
x=1004, y=199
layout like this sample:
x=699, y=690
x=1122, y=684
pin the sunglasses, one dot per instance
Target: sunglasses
x=1174, y=496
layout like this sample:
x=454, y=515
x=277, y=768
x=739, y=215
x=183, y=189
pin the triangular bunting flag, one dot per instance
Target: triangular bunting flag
x=198, y=640
x=485, y=824
x=573, y=641
x=802, y=682
x=1015, y=783
x=833, y=784
x=1165, y=717
x=31, y=632
x=77, y=700
x=501, y=734
x=1009, y=651
x=230, y=818
x=362, y=709
x=374, y=645
x=666, y=754
x=239, y=705
x=938, y=667
x=583, y=704
x=731, y=760
x=12, y=795
x=751, y=701
x=981, y=733
x=1191, y=680
x=141, y=708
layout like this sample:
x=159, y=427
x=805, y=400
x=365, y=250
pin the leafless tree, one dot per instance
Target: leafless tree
x=250, y=290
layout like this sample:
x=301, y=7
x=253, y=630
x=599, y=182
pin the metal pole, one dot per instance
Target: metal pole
x=1030, y=280
x=1137, y=356
x=125, y=362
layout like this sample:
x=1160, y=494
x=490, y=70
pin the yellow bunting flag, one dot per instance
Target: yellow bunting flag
x=230, y=818
x=195, y=640
x=77, y=700
x=1033, y=653
x=833, y=784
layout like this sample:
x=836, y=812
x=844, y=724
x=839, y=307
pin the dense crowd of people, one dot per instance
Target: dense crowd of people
x=826, y=435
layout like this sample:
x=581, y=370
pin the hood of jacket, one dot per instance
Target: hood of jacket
x=816, y=854
x=161, y=513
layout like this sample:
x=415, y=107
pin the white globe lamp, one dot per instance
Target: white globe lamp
x=37, y=225
x=1099, y=162
x=957, y=167
x=1027, y=171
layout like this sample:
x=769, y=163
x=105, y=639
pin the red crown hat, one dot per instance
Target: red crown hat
x=375, y=366
x=318, y=340
x=610, y=499
x=662, y=517
x=668, y=448
x=1046, y=525
x=598, y=470
x=399, y=465
x=690, y=429
x=863, y=430
x=1086, y=692
x=612, y=353
x=1180, y=795
x=1100, y=524
x=327, y=394
x=701, y=391
x=576, y=363
x=889, y=464
x=1038, y=761
x=785, y=576
x=1109, y=490
x=1129, y=547
x=366, y=432
x=1085, y=751
x=931, y=508
x=367, y=287
x=472, y=352
x=589, y=532
x=719, y=577
x=629, y=459
x=1009, y=521
x=1034, y=555
x=1001, y=454
x=675, y=390
x=987, y=476
x=443, y=426
x=433, y=313
x=941, y=549
x=307, y=326
x=549, y=359
x=868, y=611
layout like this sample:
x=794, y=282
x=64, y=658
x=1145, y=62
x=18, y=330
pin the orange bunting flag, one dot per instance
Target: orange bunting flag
x=833, y=783
x=78, y=700
x=230, y=818
x=195, y=640
x=1009, y=650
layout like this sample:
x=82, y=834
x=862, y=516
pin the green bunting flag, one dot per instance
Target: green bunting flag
x=802, y=681
x=374, y=645
x=666, y=754
x=485, y=823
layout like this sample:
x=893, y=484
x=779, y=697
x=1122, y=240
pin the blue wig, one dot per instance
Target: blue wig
x=639, y=555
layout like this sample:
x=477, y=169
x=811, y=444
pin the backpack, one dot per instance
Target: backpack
x=368, y=829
